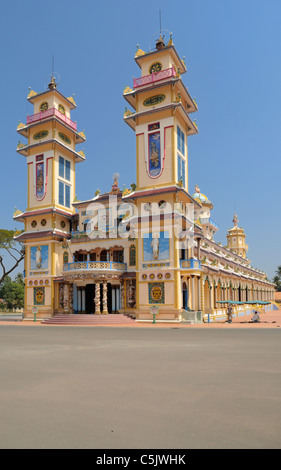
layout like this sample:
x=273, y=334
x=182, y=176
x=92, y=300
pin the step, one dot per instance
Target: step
x=91, y=319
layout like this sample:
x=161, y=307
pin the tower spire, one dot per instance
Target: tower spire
x=52, y=85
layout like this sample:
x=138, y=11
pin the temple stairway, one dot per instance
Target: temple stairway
x=81, y=319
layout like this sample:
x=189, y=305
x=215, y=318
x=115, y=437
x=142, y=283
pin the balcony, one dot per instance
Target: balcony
x=48, y=113
x=154, y=77
x=95, y=266
x=208, y=220
x=190, y=264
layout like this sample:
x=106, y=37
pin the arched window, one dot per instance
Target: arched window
x=103, y=255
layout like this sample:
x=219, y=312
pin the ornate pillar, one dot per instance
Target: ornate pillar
x=104, y=298
x=211, y=301
x=198, y=293
x=123, y=295
x=97, y=298
x=202, y=295
x=215, y=296
x=65, y=298
x=193, y=292
x=71, y=298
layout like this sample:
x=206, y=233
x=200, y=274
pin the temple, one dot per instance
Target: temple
x=137, y=250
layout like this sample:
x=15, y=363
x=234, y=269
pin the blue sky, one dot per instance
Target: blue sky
x=232, y=51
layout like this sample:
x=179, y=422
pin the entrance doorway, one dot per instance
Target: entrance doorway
x=85, y=300
x=184, y=296
x=90, y=298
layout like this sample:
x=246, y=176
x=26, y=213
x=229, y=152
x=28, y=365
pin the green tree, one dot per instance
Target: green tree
x=277, y=279
x=12, y=292
x=10, y=251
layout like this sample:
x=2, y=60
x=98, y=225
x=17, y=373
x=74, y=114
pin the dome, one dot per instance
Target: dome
x=198, y=195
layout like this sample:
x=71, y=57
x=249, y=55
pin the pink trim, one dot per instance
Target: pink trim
x=154, y=77
x=48, y=113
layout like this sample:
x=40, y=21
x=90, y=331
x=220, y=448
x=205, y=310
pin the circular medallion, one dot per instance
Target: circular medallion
x=167, y=275
x=144, y=276
x=34, y=224
x=62, y=224
x=43, y=222
x=155, y=67
x=152, y=276
x=160, y=275
x=44, y=106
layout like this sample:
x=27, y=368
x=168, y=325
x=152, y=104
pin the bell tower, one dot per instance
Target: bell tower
x=51, y=158
x=161, y=117
x=161, y=121
x=236, y=239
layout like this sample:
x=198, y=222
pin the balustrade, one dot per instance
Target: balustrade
x=154, y=77
x=48, y=113
x=95, y=265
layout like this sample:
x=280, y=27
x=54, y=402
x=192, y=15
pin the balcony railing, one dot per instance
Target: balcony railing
x=190, y=264
x=48, y=113
x=95, y=265
x=208, y=220
x=154, y=77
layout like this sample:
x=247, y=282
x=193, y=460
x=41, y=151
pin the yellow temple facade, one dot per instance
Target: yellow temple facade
x=148, y=248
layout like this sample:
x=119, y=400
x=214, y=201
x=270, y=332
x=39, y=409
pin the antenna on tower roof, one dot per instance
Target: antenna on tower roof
x=160, y=21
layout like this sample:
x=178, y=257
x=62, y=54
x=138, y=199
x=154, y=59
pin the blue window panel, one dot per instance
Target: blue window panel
x=67, y=195
x=179, y=138
x=61, y=167
x=183, y=172
x=61, y=193
x=67, y=170
x=182, y=143
x=179, y=167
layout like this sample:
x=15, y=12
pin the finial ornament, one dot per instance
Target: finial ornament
x=235, y=220
x=197, y=190
x=52, y=85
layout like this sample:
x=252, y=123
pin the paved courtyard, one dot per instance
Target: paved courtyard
x=144, y=388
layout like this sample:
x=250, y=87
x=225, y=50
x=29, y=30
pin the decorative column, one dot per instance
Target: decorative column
x=202, y=295
x=97, y=298
x=211, y=298
x=123, y=295
x=71, y=298
x=65, y=298
x=104, y=298
x=215, y=296
x=193, y=292
x=199, y=292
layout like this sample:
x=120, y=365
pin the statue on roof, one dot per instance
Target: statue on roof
x=235, y=220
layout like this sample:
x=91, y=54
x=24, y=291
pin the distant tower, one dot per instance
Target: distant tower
x=51, y=158
x=236, y=239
